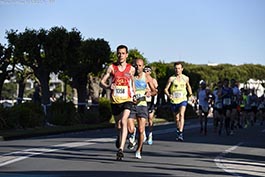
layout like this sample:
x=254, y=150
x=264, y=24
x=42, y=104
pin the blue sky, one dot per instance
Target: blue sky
x=194, y=31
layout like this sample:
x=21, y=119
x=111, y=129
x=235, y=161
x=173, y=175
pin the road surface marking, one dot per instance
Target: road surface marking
x=236, y=167
x=16, y=156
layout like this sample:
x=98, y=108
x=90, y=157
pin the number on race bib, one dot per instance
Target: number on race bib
x=177, y=95
x=121, y=91
x=218, y=105
x=227, y=101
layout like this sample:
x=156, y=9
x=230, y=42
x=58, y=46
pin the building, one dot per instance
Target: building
x=254, y=84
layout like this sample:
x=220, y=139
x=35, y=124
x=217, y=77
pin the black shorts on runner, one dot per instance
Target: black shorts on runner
x=117, y=109
x=151, y=107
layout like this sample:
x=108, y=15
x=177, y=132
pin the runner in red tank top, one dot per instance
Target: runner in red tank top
x=122, y=92
x=123, y=87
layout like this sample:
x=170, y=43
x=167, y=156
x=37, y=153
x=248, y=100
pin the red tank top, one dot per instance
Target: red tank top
x=122, y=80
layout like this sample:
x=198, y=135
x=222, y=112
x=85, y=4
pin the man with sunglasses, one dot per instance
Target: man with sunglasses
x=151, y=102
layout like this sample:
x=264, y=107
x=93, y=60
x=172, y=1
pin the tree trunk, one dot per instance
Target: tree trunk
x=82, y=98
x=75, y=99
x=80, y=83
x=94, y=89
x=108, y=92
x=2, y=80
x=64, y=90
x=21, y=88
x=1, y=87
x=44, y=78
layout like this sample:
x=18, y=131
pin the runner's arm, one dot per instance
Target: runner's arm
x=103, y=82
x=167, y=87
x=189, y=87
x=151, y=85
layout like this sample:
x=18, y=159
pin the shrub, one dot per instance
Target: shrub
x=3, y=118
x=88, y=117
x=63, y=113
x=25, y=115
x=190, y=112
x=164, y=111
x=104, y=110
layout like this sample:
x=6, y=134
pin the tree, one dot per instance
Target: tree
x=29, y=46
x=93, y=54
x=70, y=59
x=6, y=65
x=22, y=74
x=133, y=54
x=162, y=71
x=44, y=52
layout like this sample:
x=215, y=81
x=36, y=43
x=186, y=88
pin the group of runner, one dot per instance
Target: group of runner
x=132, y=102
x=232, y=107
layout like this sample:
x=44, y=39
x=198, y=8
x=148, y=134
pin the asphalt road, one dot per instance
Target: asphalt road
x=93, y=153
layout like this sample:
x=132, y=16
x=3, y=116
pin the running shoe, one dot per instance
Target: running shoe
x=180, y=137
x=131, y=145
x=150, y=139
x=246, y=124
x=232, y=132
x=48, y=124
x=177, y=134
x=119, y=154
x=138, y=155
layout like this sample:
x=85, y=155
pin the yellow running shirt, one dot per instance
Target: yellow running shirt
x=178, y=90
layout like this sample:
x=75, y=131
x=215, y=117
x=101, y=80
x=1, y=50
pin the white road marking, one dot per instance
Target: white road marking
x=13, y=157
x=235, y=168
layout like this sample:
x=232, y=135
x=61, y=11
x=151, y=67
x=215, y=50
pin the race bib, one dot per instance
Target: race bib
x=253, y=104
x=121, y=91
x=177, y=95
x=227, y=101
x=218, y=105
x=138, y=95
x=148, y=98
